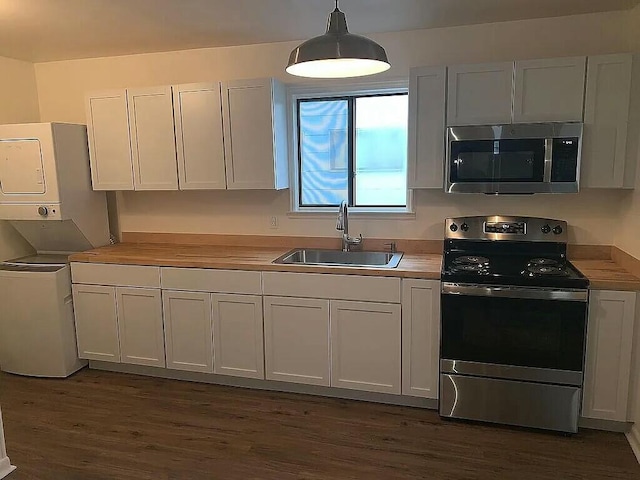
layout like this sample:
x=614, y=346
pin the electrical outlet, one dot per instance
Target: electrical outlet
x=274, y=222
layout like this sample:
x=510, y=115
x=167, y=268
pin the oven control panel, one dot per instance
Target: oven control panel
x=527, y=229
x=515, y=228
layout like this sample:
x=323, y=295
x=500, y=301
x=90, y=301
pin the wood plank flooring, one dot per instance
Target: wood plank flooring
x=99, y=425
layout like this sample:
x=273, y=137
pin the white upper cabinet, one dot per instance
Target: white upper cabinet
x=480, y=94
x=255, y=131
x=608, y=358
x=109, y=141
x=427, y=95
x=549, y=90
x=198, y=122
x=153, y=144
x=605, y=163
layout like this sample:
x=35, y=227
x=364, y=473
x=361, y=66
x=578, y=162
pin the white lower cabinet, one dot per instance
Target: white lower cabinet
x=296, y=338
x=238, y=335
x=140, y=326
x=608, y=359
x=365, y=346
x=420, y=337
x=96, y=322
x=188, y=331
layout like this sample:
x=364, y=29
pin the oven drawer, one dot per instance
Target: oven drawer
x=524, y=404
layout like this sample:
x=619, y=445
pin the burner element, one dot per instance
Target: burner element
x=472, y=260
x=542, y=261
x=479, y=268
x=545, y=270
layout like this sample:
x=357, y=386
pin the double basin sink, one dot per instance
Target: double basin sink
x=340, y=258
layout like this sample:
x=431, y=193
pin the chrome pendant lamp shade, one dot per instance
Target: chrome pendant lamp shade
x=337, y=53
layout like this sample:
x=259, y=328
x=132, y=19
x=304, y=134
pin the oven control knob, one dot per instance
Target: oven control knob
x=453, y=227
x=546, y=229
x=464, y=227
x=43, y=211
x=557, y=230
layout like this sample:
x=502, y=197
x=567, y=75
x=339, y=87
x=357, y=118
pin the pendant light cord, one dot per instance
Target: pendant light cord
x=337, y=9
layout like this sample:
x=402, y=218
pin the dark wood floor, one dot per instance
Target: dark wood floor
x=99, y=425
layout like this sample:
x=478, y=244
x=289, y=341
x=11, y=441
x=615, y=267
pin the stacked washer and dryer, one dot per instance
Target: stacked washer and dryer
x=45, y=193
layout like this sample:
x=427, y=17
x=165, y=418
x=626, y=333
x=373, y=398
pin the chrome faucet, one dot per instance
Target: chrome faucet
x=343, y=225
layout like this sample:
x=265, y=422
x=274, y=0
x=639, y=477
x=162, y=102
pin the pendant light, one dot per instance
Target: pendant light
x=337, y=53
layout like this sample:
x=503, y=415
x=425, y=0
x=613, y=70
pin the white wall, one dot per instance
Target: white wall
x=18, y=104
x=628, y=234
x=592, y=214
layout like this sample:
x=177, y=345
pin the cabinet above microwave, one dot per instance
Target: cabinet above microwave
x=527, y=91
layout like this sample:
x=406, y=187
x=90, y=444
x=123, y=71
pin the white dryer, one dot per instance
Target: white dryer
x=45, y=192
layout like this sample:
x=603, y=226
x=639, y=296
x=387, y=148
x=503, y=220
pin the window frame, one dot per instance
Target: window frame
x=337, y=92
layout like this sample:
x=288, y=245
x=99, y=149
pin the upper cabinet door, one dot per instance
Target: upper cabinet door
x=480, y=94
x=254, y=116
x=198, y=116
x=109, y=141
x=606, y=116
x=152, y=138
x=550, y=90
x=427, y=94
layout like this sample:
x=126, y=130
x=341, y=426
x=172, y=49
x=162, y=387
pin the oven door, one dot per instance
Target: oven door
x=516, y=333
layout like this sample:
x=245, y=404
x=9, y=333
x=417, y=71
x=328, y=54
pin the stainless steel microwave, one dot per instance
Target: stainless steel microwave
x=514, y=158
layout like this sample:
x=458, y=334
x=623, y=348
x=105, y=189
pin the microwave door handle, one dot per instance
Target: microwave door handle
x=548, y=159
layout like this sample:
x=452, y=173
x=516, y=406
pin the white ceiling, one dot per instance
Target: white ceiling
x=45, y=30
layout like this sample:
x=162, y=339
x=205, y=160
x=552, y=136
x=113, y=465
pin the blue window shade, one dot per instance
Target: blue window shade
x=324, y=153
x=376, y=176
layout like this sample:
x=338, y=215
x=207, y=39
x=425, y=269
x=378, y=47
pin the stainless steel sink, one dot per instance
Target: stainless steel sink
x=340, y=258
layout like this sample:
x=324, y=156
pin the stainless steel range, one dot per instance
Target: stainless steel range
x=514, y=318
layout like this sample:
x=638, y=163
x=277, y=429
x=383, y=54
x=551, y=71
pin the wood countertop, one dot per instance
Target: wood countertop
x=246, y=258
x=607, y=275
x=602, y=274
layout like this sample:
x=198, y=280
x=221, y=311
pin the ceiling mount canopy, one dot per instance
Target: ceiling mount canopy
x=337, y=53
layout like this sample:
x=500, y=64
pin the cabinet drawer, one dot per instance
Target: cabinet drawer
x=339, y=287
x=208, y=280
x=118, y=275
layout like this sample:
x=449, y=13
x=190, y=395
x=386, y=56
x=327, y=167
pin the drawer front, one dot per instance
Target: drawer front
x=338, y=287
x=116, y=275
x=208, y=280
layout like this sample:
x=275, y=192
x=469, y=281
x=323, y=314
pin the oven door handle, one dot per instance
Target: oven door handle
x=515, y=292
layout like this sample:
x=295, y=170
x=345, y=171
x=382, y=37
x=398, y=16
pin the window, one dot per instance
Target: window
x=353, y=148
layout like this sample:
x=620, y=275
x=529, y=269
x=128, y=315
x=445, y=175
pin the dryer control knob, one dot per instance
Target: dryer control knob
x=557, y=230
x=43, y=211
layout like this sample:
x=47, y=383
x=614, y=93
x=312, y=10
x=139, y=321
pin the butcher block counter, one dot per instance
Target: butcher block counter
x=607, y=275
x=602, y=274
x=425, y=266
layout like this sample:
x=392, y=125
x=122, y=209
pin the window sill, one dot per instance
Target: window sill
x=378, y=214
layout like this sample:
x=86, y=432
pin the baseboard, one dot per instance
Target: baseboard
x=634, y=440
x=606, y=425
x=5, y=467
x=332, y=392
